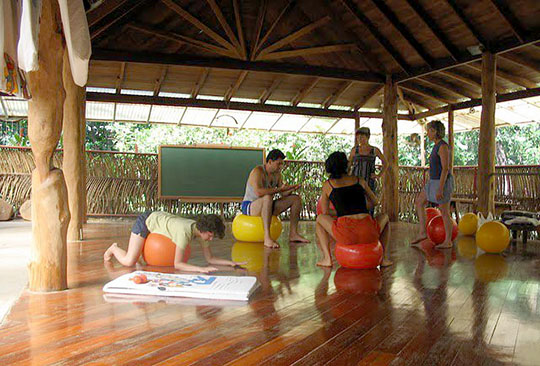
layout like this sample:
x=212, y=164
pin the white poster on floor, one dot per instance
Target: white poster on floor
x=184, y=285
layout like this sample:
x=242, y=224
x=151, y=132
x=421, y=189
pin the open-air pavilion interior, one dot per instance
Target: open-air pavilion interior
x=301, y=66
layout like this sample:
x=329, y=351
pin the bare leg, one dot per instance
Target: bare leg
x=295, y=203
x=382, y=220
x=421, y=202
x=447, y=220
x=263, y=207
x=129, y=258
x=324, y=234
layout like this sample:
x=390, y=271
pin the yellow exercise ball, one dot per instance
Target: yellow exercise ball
x=250, y=228
x=468, y=224
x=490, y=267
x=466, y=246
x=253, y=254
x=493, y=237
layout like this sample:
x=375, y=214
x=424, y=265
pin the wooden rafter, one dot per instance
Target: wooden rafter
x=454, y=74
x=366, y=98
x=263, y=40
x=234, y=88
x=504, y=75
x=230, y=64
x=426, y=93
x=506, y=13
x=96, y=32
x=221, y=104
x=98, y=13
x=200, y=82
x=225, y=25
x=452, y=88
x=302, y=93
x=336, y=94
x=403, y=31
x=258, y=28
x=470, y=26
x=197, y=23
x=120, y=78
x=160, y=80
x=301, y=52
x=405, y=102
x=394, y=54
x=434, y=28
x=184, y=40
x=437, y=86
x=521, y=61
x=293, y=36
x=268, y=92
x=239, y=29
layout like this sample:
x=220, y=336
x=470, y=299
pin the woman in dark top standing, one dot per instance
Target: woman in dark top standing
x=439, y=188
x=352, y=199
x=362, y=159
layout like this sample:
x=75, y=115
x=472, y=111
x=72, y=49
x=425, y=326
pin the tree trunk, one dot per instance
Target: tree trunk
x=389, y=128
x=50, y=214
x=74, y=163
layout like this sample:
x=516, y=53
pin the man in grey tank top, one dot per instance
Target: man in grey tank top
x=263, y=184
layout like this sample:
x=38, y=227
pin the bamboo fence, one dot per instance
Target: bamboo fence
x=125, y=184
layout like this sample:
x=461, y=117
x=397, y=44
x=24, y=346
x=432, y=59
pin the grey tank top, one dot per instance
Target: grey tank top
x=364, y=165
x=250, y=194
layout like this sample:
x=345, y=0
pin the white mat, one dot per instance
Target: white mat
x=183, y=285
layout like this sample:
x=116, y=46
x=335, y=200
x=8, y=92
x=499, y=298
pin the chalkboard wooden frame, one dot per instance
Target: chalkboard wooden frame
x=203, y=146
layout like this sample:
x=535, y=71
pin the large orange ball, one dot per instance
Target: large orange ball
x=359, y=256
x=159, y=250
x=436, y=232
x=431, y=212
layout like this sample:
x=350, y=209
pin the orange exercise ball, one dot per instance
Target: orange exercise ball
x=431, y=212
x=368, y=281
x=359, y=256
x=436, y=231
x=159, y=250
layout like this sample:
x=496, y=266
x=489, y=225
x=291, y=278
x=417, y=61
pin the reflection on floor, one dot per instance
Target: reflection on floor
x=456, y=307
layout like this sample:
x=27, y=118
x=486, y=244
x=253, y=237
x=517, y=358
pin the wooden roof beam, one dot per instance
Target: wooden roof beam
x=96, y=32
x=302, y=93
x=449, y=88
x=226, y=27
x=234, y=88
x=405, y=102
x=160, y=80
x=504, y=11
x=359, y=16
x=403, y=31
x=426, y=93
x=98, y=13
x=302, y=52
x=239, y=28
x=263, y=40
x=329, y=100
x=293, y=36
x=120, y=78
x=454, y=74
x=258, y=29
x=415, y=101
x=470, y=26
x=268, y=92
x=197, y=23
x=230, y=64
x=434, y=28
x=366, y=98
x=514, y=79
x=521, y=61
x=221, y=104
x=200, y=82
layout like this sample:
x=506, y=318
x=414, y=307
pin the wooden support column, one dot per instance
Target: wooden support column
x=50, y=212
x=451, y=135
x=486, y=145
x=390, y=147
x=74, y=164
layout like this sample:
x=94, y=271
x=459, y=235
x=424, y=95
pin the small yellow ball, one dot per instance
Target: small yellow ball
x=468, y=224
x=493, y=237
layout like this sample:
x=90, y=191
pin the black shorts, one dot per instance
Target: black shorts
x=139, y=227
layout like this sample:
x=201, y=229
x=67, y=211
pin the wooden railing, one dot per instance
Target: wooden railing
x=122, y=184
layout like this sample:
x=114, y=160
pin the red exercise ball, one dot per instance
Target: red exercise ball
x=359, y=256
x=368, y=281
x=159, y=250
x=319, y=207
x=435, y=230
x=431, y=212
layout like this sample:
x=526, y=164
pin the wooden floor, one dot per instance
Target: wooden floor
x=458, y=308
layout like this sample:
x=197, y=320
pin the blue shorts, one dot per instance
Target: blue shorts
x=432, y=187
x=139, y=227
x=245, y=207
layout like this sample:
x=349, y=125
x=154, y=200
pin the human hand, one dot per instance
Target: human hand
x=207, y=269
x=439, y=194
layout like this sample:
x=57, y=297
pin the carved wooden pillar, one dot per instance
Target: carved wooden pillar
x=74, y=164
x=50, y=213
x=486, y=145
x=389, y=129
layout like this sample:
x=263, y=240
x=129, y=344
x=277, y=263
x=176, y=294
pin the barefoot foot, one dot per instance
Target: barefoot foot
x=269, y=243
x=386, y=263
x=326, y=262
x=418, y=239
x=298, y=238
x=444, y=245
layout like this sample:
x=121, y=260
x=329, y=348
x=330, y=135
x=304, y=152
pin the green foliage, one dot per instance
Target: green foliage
x=14, y=133
x=101, y=136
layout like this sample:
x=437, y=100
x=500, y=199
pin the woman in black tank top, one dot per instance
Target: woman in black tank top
x=352, y=199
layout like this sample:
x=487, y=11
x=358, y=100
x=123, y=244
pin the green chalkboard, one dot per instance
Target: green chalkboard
x=205, y=173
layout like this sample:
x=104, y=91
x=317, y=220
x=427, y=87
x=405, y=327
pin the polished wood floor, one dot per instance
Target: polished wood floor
x=430, y=308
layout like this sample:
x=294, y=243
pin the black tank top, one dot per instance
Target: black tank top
x=349, y=200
